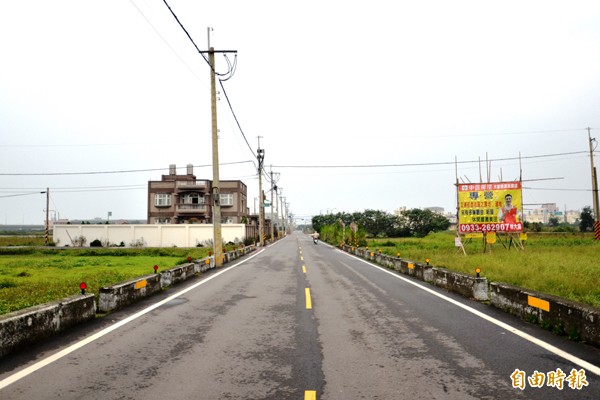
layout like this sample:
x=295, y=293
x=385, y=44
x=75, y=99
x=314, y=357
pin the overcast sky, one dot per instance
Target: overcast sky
x=112, y=87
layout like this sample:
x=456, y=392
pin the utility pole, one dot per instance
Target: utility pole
x=287, y=217
x=277, y=212
x=282, y=205
x=47, y=230
x=594, y=187
x=261, y=201
x=283, y=215
x=272, y=219
x=217, y=235
x=216, y=195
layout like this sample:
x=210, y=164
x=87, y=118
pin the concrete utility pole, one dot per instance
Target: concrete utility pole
x=277, y=212
x=287, y=218
x=216, y=195
x=217, y=235
x=261, y=201
x=272, y=219
x=282, y=205
x=284, y=215
x=594, y=187
x=47, y=231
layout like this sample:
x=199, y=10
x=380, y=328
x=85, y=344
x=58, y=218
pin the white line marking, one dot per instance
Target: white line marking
x=57, y=356
x=561, y=353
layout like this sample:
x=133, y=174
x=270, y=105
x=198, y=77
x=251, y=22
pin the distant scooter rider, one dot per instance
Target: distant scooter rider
x=315, y=237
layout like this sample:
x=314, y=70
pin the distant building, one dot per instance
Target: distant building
x=437, y=210
x=550, y=210
x=399, y=210
x=183, y=199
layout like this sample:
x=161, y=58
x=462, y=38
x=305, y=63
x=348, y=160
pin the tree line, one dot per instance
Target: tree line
x=377, y=223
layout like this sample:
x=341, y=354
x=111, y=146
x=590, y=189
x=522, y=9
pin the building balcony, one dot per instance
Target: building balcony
x=191, y=208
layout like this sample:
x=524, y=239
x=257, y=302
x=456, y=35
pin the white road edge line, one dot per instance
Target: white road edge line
x=561, y=353
x=57, y=356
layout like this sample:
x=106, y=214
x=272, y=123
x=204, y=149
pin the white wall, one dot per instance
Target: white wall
x=160, y=235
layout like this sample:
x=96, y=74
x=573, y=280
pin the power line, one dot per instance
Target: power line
x=186, y=32
x=505, y=133
x=558, y=190
x=235, y=117
x=112, y=172
x=428, y=163
x=165, y=41
x=230, y=73
x=22, y=194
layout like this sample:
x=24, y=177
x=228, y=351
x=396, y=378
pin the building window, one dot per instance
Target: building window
x=162, y=221
x=192, y=198
x=227, y=199
x=162, y=199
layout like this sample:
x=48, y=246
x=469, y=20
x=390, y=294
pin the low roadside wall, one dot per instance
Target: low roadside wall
x=35, y=324
x=465, y=285
x=114, y=297
x=577, y=321
x=25, y=327
x=118, y=296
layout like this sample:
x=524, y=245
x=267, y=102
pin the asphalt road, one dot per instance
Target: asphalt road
x=303, y=321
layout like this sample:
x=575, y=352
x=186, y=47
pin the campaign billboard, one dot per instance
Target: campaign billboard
x=490, y=207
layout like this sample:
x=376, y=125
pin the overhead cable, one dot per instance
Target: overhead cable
x=111, y=172
x=428, y=163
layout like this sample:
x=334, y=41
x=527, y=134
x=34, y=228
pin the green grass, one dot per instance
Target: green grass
x=30, y=240
x=31, y=276
x=565, y=265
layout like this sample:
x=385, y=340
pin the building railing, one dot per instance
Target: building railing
x=191, y=208
x=192, y=184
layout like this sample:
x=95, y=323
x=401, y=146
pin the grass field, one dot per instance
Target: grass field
x=565, y=265
x=31, y=276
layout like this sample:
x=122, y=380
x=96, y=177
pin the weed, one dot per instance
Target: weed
x=7, y=284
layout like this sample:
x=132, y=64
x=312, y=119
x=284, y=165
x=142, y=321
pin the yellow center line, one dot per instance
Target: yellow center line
x=304, y=268
x=308, y=300
x=310, y=395
x=301, y=258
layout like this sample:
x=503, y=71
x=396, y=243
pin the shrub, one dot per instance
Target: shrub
x=79, y=241
x=96, y=243
x=138, y=243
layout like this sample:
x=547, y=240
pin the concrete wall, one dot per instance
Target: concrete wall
x=34, y=324
x=163, y=235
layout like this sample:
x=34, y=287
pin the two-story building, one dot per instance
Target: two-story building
x=184, y=199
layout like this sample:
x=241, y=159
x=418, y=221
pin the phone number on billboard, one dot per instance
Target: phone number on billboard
x=467, y=228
